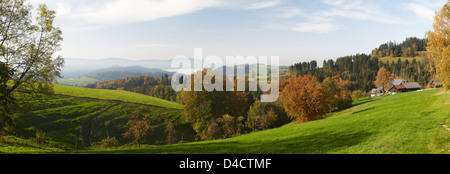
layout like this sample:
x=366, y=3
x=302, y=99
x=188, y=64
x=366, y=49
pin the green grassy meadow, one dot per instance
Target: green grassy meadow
x=63, y=116
x=115, y=95
x=62, y=119
x=408, y=123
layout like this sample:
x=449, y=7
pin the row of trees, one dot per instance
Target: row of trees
x=148, y=85
x=408, y=48
x=223, y=114
x=358, y=70
x=219, y=114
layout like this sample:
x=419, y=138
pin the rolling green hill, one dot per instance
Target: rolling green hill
x=402, y=123
x=67, y=116
x=70, y=122
x=115, y=95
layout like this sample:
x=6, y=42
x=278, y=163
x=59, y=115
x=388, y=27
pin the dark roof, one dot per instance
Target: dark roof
x=412, y=85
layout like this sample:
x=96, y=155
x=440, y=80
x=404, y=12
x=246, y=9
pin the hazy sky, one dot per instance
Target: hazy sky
x=294, y=30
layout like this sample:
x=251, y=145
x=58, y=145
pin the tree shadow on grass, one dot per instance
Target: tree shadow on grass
x=318, y=143
x=368, y=100
x=363, y=110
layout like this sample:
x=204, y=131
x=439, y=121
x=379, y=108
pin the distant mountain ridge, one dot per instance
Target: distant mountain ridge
x=75, y=67
x=82, y=72
x=117, y=72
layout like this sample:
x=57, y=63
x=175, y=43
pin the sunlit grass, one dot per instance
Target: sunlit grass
x=408, y=123
x=115, y=95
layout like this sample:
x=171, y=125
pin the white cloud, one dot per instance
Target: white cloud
x=85, y=15
x=421, y=11
x=289, y=12
x=325, y=20
x=313, y=27
x=344, y=4
x=129, y=11
x=359, y=10
x=264, y=4
x=154, y=45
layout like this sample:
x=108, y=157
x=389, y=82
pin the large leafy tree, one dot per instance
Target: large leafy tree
x=204, y=109
x=27, y=47
x=384, y=79
x=337, y=88
x=305, y=99
x=439, y=44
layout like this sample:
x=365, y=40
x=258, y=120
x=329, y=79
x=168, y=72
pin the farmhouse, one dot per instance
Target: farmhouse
x=436, y=83
x=398, y=85
x=406, y=87
x=376, y=92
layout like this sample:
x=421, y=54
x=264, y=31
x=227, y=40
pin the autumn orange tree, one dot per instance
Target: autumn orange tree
x=337, y=88
x=305, y=99
x=138, y=129
x=384, y=79
x=438, y=49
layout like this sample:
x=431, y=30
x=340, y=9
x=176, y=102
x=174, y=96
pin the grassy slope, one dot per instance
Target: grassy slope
x=395, y=59
x=403, y=123
x=115, y=95
x=61, y=119
x=21, y=146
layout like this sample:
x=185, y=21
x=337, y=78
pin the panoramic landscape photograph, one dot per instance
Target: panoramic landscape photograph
x=261, y=77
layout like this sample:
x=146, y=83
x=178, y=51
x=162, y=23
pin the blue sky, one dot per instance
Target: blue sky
x=294, y=30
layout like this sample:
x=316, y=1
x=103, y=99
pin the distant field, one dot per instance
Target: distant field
x=407, y=123
x=115, y=95
x=395, y=59
x=80, y=82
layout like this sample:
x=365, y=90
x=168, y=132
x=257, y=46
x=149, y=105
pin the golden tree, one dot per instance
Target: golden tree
x=305, y=99
x=384, y=79
x=438, y=49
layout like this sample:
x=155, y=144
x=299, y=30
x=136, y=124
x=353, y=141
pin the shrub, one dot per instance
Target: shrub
x=109, y=142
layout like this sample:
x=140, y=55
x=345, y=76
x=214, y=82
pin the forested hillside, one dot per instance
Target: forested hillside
x=148, y=85
x=411, y=47
x=361, y=69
